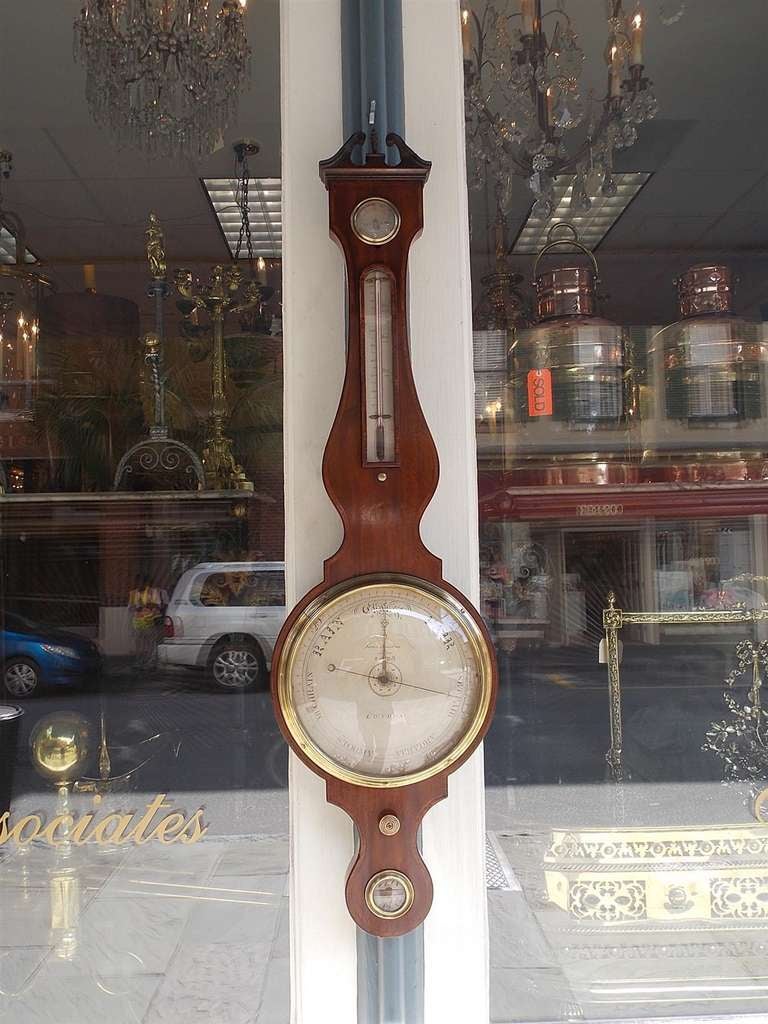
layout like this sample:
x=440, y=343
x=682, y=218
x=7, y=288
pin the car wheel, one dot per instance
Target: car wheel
x=21, y=677
x=237, y=665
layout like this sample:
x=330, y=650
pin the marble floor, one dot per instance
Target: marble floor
x=133, y=936
x=199, y=933
x=639, y=903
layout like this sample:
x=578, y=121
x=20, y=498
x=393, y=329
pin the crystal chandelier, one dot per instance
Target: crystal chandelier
x=523, y=101
x=163, y=75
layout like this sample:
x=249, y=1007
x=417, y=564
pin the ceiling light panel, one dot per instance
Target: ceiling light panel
x=8, y=248
x=592, y=224
x=264, y=211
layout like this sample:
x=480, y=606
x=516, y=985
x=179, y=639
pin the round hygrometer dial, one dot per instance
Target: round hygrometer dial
x=375, y=221
x=389, y=894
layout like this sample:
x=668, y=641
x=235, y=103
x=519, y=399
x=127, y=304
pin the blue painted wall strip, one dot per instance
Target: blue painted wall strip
x=390, y=971
x=372, y=66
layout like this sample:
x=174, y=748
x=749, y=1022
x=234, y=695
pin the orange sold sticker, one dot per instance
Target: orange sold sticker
x=539, y=393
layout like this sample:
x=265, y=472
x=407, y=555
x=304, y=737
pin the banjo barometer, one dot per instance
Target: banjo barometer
x=383, y=676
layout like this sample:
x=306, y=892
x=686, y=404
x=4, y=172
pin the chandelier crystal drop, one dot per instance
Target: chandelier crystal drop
x=163, y=75
x=523, y=100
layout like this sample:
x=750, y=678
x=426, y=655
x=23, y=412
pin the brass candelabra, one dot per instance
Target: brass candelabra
x=159, y=461
x=219, y=298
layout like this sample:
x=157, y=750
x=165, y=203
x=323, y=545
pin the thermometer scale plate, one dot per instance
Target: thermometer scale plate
x=378, y=369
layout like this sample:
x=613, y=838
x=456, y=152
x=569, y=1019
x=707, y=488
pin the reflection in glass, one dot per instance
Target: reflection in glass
x=571, y=402
x=706, y=402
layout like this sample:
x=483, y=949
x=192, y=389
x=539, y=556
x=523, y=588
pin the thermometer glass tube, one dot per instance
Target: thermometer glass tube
x=379, y=384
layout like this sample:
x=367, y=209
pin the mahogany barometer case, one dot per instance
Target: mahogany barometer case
x=383, y=676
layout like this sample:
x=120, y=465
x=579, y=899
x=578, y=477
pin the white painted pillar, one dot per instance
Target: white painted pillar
x=456, y=932
x=322, y=935
x=323, y=958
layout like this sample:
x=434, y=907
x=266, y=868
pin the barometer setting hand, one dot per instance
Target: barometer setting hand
x=386, y=679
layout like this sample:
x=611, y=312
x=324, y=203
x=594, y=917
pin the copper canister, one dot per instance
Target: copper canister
x=705, y=288
x=711, y=357
x=566, y=291
x=578, y=432
x=711, y=422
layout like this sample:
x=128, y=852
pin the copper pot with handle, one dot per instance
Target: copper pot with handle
x=572, y=397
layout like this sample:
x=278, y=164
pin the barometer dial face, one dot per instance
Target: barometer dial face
x=385, y=683
x=375, y=221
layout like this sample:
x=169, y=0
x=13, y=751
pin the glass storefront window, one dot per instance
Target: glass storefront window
x=617, y=200
x=143, y=780
x=621, y=410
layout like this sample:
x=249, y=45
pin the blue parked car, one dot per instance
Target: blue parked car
x=33, y=655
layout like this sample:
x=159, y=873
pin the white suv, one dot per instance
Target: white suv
x=224, y=617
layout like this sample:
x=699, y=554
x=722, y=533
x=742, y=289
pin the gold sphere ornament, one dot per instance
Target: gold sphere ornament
x=60, y=745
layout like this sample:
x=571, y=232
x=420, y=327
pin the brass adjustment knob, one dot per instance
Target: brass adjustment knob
x=389, y=825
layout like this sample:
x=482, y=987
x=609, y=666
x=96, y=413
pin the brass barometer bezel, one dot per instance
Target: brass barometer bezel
x=325, y=602
x=369, y=239
x=383, y=876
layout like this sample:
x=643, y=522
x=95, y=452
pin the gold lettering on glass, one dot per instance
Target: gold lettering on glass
x=114, y=829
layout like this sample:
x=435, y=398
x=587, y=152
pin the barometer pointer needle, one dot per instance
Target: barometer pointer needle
x=413, y=686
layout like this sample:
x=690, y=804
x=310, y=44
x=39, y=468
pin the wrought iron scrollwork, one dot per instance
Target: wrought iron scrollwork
x=740, y=740
x=159, y=464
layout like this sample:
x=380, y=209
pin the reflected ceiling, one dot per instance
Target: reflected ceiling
x=84, y=201
x=706, y=152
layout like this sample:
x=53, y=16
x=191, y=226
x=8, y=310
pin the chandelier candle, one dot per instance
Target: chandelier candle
x=637, y=38
x=528, y=17
x=466, y=35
